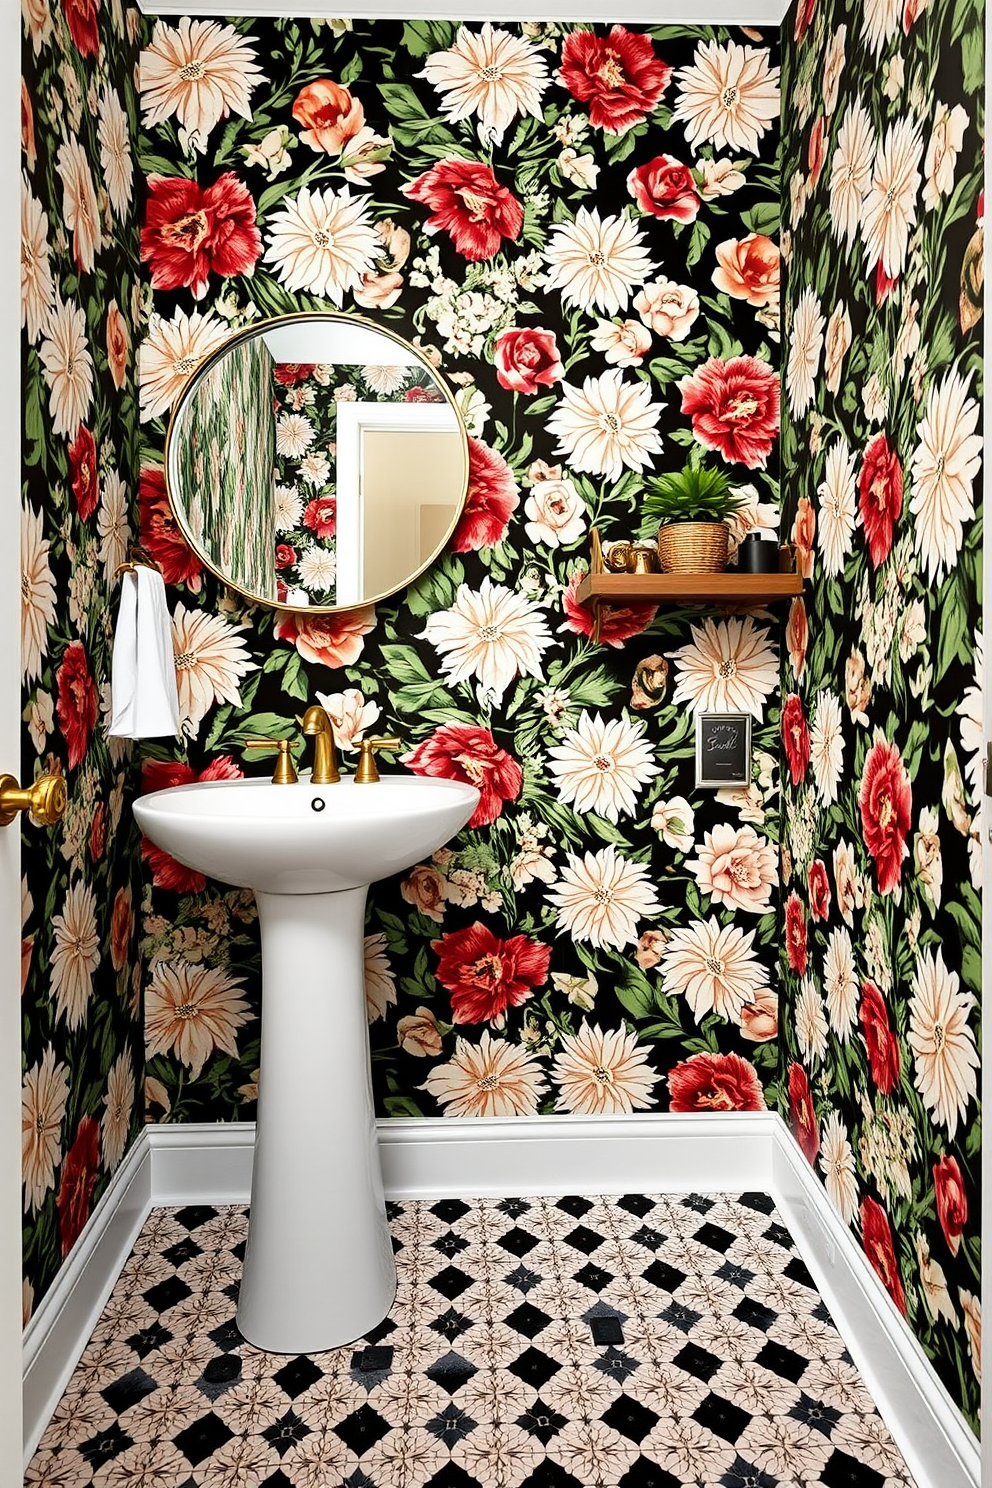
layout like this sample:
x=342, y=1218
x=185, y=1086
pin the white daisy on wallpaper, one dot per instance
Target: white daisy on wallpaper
x=737, y=868
x=37, y=593
x=211, y=659
x=490, y=73
x=713, y=967
x=491, y=634
x=323, y=242
x=200, y=72
x=602, y=1072
x=596, y=261
x=384, y=380
x=37, y=287
x=945, y=1058
x=80, y=209
x=943, y=467
x=606, y=425
x=68, y=366
x=837, y=1165
x=44, y=1093
x=76, y=954
x=729, y=666
x=112, y=525
x=811, y=1022
x=826, y=745
x=171, y=353
x=728, y=97
x=600, y=897
x=880, y=22
x=889, y=208
x=805, y=346
x=851, y=171
x=318, y=568
x=490, y=1078
x=838, y=507
x=115, y=151
x=380, y=983
x=294, y=435
x=192, y=1010
x=840, y=984
x=837, y=343
x=602, y=765
x=288, y=508
x=115, y=1123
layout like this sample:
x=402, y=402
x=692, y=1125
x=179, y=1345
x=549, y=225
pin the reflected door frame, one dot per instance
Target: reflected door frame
x=353, y=419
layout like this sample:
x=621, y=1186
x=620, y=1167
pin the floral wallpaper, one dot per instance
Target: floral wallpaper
x=882, y=674
x=306, y=400
x=80, y=299
x=578, y=227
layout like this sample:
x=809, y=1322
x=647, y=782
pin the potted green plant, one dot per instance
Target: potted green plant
x=690, y=508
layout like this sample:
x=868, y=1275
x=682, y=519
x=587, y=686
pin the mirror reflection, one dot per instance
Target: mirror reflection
x=317, y=461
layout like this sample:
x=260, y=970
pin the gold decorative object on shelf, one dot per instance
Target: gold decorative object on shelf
x=643, y=559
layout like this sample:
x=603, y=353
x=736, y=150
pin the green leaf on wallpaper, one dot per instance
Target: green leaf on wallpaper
x=423, y=37
x=404, y=665
x=762, y=218
x=721, y=343
x=697, y=242
x=294, y=678
x=258, y=725
x=969, y=926
x=954, y=626
x=401, y=1105
x=539, y=406
x=351, y=71
x=973, y=60
x=620, y=147
x=636, y=993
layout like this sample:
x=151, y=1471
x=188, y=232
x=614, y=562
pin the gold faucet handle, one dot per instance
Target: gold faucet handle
x=367, y=772
x=45, y=799
x=285, y=771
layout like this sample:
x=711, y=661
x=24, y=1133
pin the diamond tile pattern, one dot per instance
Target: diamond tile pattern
x=573, y=1342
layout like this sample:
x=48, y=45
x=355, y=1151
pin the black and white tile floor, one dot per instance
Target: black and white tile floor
x=627, y=1342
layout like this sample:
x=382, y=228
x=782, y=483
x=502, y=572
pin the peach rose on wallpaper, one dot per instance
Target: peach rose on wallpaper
x=667, y=308
x=330, y=114
x=737, y=868
x=715, y=1082
x=424, y=888
x=748, y=269
x=619, y=76
x=797, y=635
x=759, y=1019
x=118, y=344
x=418, y=1034
x=555, y=512
x=121, y=928
x=331, y=640
x=803, y=535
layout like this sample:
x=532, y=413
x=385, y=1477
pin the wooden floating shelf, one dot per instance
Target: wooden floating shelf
x=729, y=588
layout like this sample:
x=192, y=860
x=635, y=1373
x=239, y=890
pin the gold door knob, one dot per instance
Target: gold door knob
x=46, y=799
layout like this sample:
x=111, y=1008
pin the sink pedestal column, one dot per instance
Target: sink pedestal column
x=319, y=1268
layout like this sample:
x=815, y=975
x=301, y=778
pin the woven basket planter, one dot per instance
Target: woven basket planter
x=693, y=547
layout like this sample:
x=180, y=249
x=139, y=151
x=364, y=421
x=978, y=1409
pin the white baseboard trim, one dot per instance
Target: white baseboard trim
x=59, y=1329
x=939, y=1447
x=440, y=1158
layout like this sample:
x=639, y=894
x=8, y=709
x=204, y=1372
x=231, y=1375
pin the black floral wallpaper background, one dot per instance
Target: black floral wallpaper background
x=881, y=685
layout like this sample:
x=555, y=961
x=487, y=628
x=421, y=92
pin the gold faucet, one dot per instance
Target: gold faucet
x=315, y=721
x=367, y=772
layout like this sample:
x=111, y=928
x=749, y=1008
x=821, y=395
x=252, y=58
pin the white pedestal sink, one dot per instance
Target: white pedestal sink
x=318, y=1269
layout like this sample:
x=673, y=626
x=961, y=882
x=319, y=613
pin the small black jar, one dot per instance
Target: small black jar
x=757, y=554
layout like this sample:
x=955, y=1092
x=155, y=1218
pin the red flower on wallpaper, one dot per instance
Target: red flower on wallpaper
x=321, y=516
x=715, y=1082
x=795, y=933
x=952, y=1201
x=121, y=928
x=795, y=738
x=161, y=775
x=491, y=500
x=526, y=359
x=468, y=203
x=192, y=231
x=78, y=1180
x=886, y=801
x=83, y=472
x=665, y=188
x=816, y=153
x=617, y=622
x=84, y=28
x=331, y=640
x=879, y=496
x=160, y=534
x=423, y=395
x=619, y=76
x=819, y=890
x=876, y=1241
x=289, y=374
x=884, y=1058
x=485, y=975
x=285, y=555
x=462, y=751
x=98, y=832
x=804, y=16
x=734, y=407
x=77, y=705
x=802, y=1113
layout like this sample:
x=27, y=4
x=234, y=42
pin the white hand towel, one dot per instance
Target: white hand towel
x=143, y=676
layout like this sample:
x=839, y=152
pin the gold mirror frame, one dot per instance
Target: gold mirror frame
x=252, y=332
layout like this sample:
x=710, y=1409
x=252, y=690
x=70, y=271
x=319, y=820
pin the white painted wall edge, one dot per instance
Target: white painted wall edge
x=765, y=13
x=441, y=1158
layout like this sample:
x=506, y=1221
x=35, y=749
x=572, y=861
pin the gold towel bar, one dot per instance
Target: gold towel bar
x=137, y=557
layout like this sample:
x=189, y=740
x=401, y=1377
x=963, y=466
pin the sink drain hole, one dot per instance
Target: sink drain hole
x=318, y=803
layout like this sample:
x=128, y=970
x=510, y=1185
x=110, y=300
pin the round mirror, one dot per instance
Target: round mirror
x=317, y=462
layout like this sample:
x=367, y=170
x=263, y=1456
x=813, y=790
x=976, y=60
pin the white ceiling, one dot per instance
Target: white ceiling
x=639, y=12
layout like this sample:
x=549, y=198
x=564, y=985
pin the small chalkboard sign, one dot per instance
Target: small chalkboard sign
x=723, y=749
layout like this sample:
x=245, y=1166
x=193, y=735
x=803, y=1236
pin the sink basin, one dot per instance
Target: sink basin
x=318, y=1269
x=303, y=838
